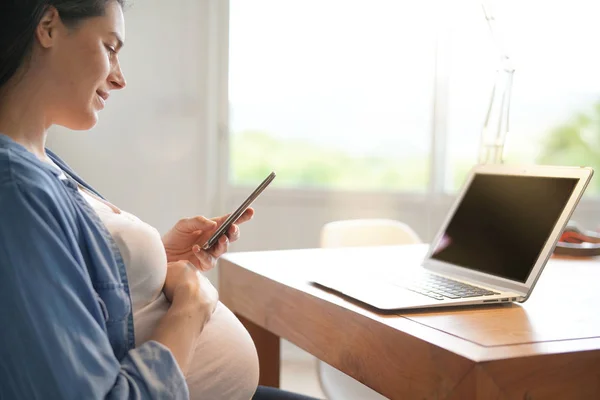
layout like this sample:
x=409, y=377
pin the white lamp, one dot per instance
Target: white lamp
x=496, y=124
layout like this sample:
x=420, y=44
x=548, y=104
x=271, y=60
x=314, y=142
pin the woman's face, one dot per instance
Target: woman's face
x=81, y=66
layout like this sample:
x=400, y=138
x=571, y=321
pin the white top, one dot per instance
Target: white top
x=141, y=248
x=225, y=363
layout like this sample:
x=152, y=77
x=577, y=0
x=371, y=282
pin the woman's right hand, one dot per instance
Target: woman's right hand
x=193, y=300
x=185, y=285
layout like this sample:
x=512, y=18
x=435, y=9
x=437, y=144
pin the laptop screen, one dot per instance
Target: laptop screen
x=503, y=222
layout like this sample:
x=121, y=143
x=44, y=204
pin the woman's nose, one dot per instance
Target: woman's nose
x=117, y=79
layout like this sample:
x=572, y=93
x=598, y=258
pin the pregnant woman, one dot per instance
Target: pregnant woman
x=95, y=303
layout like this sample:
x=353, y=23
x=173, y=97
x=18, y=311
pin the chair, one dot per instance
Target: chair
x=349, y=233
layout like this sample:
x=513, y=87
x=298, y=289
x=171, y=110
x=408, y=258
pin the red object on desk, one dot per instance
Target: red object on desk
x=576, y=242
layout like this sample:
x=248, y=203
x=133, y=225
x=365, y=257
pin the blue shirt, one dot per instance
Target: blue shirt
x=66, y=326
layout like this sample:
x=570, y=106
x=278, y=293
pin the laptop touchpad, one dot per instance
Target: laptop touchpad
x=380, y=294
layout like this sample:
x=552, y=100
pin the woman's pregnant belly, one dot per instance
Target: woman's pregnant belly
x=225, y=363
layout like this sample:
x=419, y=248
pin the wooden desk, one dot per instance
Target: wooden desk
x=546, y=348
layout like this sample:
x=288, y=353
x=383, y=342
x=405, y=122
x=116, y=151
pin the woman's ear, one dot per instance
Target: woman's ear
x=47, y=28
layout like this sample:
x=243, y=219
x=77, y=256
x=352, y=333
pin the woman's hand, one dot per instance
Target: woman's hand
x=193, y=301
x=184, y=278
x=185, y=283
x=184, y=241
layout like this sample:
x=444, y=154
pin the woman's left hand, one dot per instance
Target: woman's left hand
x=184, y=241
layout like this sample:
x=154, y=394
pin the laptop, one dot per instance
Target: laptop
x=491, y=248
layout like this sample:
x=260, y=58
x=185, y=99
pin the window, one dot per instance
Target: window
x=331, y=93
x=340, y=94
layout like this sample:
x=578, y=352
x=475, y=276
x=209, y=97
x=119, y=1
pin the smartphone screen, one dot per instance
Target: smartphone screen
x=238, y=213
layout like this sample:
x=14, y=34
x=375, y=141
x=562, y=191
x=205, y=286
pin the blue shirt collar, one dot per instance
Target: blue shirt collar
x=8, y=143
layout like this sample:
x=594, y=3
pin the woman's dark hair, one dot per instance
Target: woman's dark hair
x=20, y=18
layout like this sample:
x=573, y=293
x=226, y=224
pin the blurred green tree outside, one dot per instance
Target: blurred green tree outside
x=576, y=142
x=300, y=163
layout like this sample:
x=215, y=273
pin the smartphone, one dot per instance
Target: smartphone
x=238, y=213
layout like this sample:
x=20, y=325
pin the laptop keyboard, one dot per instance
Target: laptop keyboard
x=440, y=288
